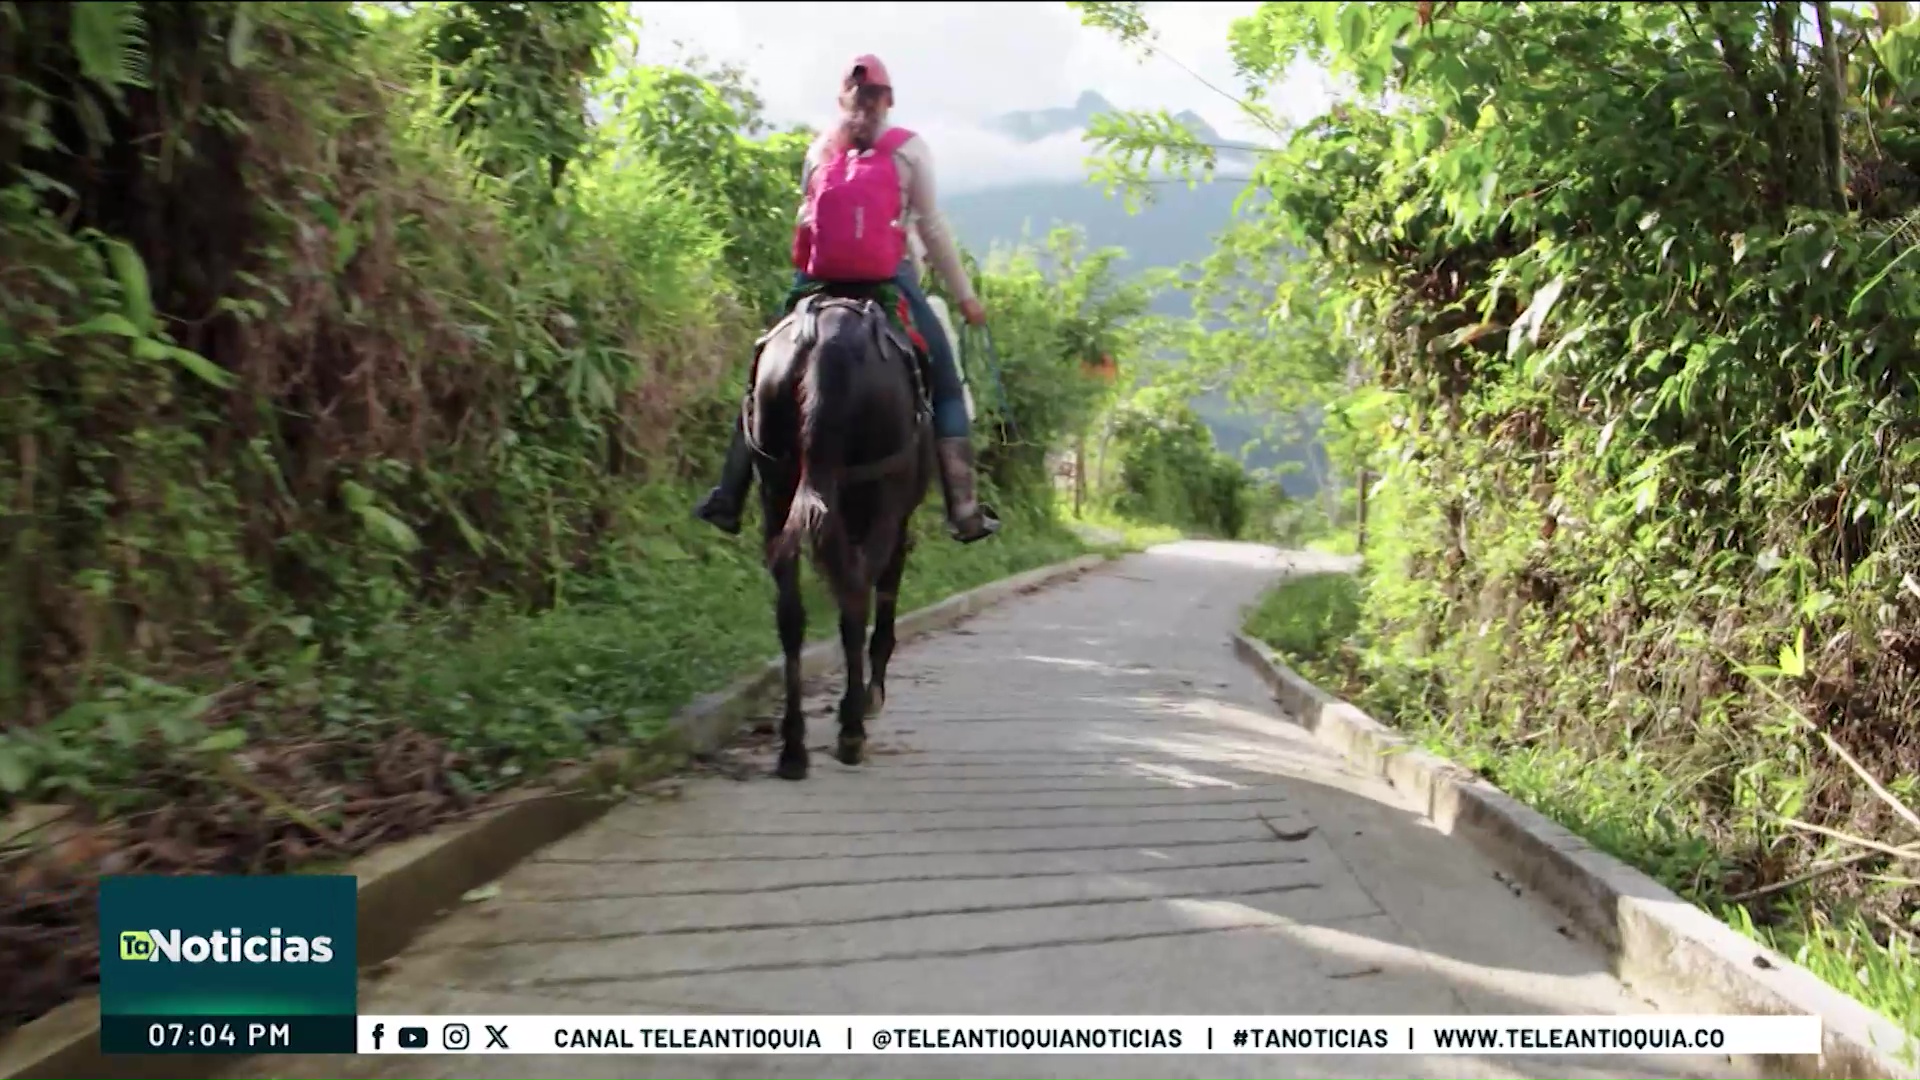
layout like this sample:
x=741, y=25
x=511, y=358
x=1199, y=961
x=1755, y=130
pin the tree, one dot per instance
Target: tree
x=518, y=73
x=1627, y=298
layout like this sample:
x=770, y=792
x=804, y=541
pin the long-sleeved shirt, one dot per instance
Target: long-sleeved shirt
x=914, y=162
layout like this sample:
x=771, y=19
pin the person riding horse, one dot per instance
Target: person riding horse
x=866, y=98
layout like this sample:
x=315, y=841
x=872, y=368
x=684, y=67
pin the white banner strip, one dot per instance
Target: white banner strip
x=1438, y=1035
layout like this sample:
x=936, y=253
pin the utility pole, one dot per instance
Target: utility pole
x=1079, y=474
x=1356, y=377
x=1360, y=498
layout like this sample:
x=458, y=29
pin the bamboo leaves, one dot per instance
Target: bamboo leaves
x=109, y=42
x=136, y=321
x=379, y=523
x=1531, y=321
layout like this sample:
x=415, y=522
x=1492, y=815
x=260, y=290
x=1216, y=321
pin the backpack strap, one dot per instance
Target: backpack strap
x=892, y=140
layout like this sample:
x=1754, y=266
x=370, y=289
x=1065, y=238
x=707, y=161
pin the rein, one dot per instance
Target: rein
x=992, y=357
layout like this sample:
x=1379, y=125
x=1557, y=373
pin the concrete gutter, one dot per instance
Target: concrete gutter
x=1680, y=957
x=410, y=885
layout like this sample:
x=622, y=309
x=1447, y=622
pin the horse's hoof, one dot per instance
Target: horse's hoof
x=851, y=751
x=791, y=768
x=876, y=700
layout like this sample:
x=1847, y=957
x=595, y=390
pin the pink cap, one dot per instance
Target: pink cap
x=866, y=70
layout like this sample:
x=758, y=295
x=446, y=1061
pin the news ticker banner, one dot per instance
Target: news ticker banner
x=251, y=965
x=1438, y=1035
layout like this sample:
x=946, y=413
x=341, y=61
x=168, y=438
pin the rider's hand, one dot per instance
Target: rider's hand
x=974, y=312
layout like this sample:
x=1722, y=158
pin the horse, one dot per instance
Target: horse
x=844, y=454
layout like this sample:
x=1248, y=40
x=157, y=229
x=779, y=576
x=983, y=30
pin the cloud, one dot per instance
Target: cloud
x=957, y=65
x=968, y=157
x=971, y=158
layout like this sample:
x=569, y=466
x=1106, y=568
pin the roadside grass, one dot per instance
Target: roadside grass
x=681, y=611
x=676, y=610
x=1106, y=530
x=1341, y=541
x=322, y=755
x=1307, y=616
x=1621, y=803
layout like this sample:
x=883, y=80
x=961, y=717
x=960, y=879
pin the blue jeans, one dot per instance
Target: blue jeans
x=949, y=399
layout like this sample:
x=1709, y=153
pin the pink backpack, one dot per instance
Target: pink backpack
x=851, y=230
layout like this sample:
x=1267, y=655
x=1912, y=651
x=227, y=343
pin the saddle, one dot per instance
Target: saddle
x=890, y=339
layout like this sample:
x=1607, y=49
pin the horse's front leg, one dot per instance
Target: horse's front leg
x=886, y=598
x=792, y=617
x=853, y=702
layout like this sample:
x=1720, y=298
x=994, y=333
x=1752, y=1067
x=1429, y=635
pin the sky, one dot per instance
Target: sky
x=957, y=64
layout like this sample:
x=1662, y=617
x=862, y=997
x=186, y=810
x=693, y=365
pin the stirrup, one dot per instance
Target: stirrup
x=988, y=524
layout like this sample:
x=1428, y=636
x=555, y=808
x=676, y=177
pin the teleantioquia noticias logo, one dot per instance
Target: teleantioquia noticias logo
x=231, y=946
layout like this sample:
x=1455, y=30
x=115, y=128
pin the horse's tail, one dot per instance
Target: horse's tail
x=825, y=398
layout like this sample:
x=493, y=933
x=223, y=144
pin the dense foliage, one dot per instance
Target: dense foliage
x=1617, y=299
x=1170, y=471
x=357, y=369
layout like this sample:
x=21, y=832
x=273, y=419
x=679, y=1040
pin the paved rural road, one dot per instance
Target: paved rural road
x=1079, y=803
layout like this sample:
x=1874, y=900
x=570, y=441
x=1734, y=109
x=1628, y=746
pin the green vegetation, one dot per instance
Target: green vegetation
x=1617, y=300
x=1153, y=461
x=355, y=387
x=1170, y=471
x=1624, y=804
x=1155, y=464
x=1108, y=531
x=1340, y=542
x=1308, y=616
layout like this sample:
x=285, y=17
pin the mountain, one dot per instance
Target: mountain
x=1178, y=227
x=1037, y=124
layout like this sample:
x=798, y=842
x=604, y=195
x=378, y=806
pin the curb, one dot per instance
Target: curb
x=411, y=884
x=1679, y=956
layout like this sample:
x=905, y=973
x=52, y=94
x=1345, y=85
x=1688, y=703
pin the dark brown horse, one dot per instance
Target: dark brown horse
x=845, y=454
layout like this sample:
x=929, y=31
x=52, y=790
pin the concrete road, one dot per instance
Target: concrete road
x=1078, y=803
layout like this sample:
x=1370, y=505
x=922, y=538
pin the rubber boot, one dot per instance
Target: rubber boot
x=968, y=519
x=724, y=504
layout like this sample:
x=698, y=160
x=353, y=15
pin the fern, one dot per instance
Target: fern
x=109, y=40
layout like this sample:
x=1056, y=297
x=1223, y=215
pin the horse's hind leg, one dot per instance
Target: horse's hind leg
x=792, y=617
x=853, y=703
x=886, y=598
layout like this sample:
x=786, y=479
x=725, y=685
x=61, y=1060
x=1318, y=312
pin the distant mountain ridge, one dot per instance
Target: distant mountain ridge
x=1036, y=124
x=1178, y=227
